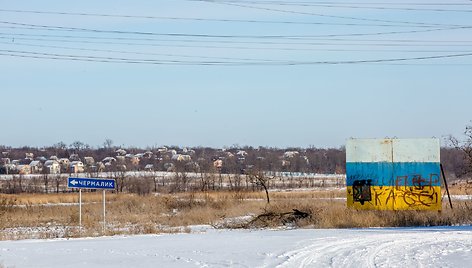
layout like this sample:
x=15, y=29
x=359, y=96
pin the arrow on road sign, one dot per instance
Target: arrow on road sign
x=91, y=183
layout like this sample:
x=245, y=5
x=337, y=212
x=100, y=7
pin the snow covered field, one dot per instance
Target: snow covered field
x=206, y=247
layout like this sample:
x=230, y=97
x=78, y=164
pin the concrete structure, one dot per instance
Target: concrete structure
x=393, y=174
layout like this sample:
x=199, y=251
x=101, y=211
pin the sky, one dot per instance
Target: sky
x=224, y=73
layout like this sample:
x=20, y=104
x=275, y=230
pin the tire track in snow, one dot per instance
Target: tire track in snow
x=380, y=248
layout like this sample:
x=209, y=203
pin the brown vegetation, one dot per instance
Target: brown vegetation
x=56, y=215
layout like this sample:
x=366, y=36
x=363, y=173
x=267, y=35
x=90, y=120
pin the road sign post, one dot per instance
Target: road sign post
x=80, y=211
x=104, y=212
x=91, y=183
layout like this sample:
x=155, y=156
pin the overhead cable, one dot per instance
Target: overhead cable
x=75, y=29
x=201, y=19
x=352, y=5
x=367, y=3
x=30, y=54
x=331, y=16
x=230, y=58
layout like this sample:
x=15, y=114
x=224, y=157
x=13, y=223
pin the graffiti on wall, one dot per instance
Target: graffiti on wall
x=390, y=186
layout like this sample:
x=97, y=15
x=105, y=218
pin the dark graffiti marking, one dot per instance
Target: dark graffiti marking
x=419, y=198
x=362, y=191
x=417, y=180
x=420, y=192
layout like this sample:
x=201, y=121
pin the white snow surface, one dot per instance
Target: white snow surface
x=206, y=247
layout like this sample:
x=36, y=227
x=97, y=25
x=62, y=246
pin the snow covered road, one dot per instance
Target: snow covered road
x=382, y=247
x=385, y=248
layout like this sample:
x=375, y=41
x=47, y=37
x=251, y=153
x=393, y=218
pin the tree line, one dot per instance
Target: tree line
x=234, y=160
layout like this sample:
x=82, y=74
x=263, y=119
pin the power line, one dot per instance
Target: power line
x=75, y=29
x=265, y=48
x=62, y=28
x=197, y=19
x=293, y=41
x=160, y=45
x=29, y=54
x=301, y=37
x=134, y=52
x=210, y=57
x=365, y=3
x=185, y=38
x=309, y=42
x=350, y=6
x=26, y=26
x=417, y=24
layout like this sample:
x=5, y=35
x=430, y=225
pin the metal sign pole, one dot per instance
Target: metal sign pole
x=104, y=213
x=445, y=183
x=80, y=210
x=91, y=183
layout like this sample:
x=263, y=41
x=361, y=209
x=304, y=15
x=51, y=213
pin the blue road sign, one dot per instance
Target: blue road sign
x=91, y=183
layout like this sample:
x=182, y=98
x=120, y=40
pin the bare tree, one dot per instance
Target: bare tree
x=78, y=146
x=60, y=145
x=20, y=184
x=258, y=178
x=46, y=182
x=120, y=178
x=108, y=144
x=237, y=180
x=181, y=181
x=465, y=146
x=155, y=180
x=57, y=182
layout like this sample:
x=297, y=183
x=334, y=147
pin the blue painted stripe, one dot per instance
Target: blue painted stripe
x=394, y=174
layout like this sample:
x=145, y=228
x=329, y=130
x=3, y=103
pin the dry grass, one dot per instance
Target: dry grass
x=49, y=216
x=461, y=188
x=332, y=214
x=37, y=199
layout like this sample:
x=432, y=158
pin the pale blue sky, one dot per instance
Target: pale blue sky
x=44, y=101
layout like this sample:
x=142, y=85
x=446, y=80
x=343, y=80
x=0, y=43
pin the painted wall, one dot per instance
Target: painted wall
x=393, y=174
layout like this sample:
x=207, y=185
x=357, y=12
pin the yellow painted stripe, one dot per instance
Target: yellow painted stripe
x=399, y=198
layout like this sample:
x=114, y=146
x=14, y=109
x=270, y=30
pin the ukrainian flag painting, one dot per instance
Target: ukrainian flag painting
x=393, y=174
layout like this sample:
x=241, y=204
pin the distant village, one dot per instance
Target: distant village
x=58, y=160
x=80, y=158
